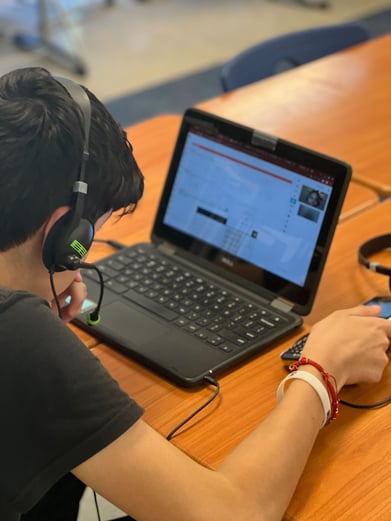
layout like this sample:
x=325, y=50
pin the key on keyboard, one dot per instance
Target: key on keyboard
x=213, y=314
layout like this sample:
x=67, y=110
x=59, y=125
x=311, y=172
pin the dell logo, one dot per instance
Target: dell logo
x=228, y=261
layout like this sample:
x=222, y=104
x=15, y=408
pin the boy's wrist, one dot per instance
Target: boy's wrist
x=309, y=365
x=317, y=386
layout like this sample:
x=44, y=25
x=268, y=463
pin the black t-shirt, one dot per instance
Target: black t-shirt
x=58, y=405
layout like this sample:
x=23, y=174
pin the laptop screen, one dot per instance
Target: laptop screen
x=249, y=203
x=254, y=207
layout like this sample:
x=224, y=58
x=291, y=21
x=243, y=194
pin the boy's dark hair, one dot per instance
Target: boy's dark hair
x=41, y=140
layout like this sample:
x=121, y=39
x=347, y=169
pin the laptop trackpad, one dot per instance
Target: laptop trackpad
x=128, y=323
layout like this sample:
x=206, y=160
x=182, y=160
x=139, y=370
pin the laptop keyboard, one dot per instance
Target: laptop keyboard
x=194, y=304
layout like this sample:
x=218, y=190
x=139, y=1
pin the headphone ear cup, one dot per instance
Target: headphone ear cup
x=64, y=247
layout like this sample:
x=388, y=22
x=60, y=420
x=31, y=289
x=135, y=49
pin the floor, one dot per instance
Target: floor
x=133, y=44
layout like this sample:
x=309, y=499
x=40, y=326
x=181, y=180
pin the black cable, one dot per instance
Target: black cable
x=376, y=405
x=211, y=381
x=114, y=244
x=55, y=293
x=93, y=318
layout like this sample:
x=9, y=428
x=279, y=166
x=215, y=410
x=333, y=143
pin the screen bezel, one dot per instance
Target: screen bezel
x=255, y=279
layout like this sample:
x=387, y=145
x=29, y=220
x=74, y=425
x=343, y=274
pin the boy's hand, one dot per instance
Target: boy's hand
x=76, y=294
x=351, y=344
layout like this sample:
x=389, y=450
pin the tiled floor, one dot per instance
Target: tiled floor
x=134, y=44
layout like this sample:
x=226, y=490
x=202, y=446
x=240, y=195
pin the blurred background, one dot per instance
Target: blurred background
x=125, y=47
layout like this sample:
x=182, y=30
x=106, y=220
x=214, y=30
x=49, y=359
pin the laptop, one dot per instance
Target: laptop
x=237, y=250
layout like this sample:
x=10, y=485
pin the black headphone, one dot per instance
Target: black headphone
x=372, y=246
x=71, y=236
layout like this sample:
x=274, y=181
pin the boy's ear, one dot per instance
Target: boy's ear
x=65, y=242
x=54, y=218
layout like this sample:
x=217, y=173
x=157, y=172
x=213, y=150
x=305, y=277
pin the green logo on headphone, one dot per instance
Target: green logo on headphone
x=79, y=248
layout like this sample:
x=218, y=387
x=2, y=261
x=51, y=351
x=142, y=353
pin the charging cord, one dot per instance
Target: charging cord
x=376, y=405
x=210, y=381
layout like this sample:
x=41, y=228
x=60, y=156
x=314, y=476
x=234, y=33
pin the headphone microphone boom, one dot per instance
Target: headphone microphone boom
x=71, y=236
x=93, y=318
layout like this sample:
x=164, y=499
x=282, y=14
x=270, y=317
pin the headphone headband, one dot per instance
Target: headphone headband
x=80, y=97
x=375, y=245
x=80, y=187
x=71, y=236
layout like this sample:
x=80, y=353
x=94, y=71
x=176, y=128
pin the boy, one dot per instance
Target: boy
x=66, y=423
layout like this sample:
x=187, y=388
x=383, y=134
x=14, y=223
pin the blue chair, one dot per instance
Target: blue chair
x=288, y=51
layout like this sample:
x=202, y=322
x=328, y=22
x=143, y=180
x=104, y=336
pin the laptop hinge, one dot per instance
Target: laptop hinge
x=282, y=305
x=264, y=140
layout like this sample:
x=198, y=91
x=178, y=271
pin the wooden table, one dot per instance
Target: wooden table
x=339, y=105
x=347, y=476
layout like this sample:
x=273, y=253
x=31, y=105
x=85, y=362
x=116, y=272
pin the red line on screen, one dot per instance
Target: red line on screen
x=249, y=165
